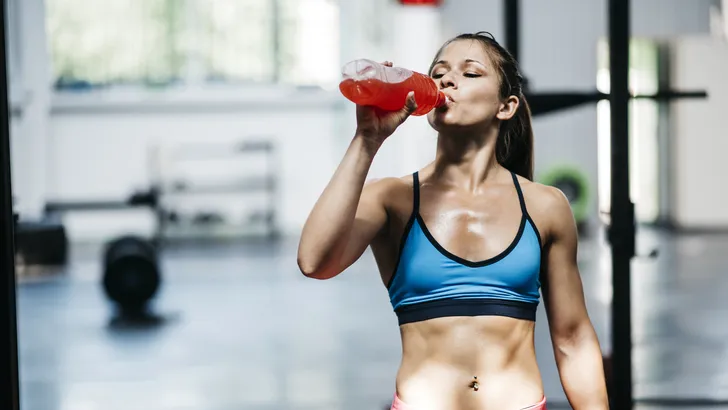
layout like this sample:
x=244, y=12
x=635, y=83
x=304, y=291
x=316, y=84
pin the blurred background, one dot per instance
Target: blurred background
x=165, y=154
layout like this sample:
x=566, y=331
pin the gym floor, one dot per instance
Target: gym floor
x=243, y=329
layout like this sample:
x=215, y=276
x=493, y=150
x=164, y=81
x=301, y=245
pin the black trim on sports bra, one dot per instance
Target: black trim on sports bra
x=489, y=261
x=472, y=264
x=408, y=226
x=520, y=193
x=466, y=307
x=416, y=192
x=524, y=210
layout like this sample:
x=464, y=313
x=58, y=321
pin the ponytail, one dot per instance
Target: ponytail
x=514, y=148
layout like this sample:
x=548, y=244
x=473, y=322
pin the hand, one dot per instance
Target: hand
x=376, y=125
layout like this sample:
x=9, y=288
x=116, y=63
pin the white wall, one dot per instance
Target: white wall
x=30, y=97
x=98, y=145
x=104, y=152
x=699, y=137
x=313, y=131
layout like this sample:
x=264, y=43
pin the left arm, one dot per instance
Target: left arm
x=576, y=348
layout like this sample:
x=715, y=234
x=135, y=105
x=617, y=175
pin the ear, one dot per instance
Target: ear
x=508, y=108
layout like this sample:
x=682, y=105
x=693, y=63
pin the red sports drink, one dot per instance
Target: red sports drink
x=366, y=82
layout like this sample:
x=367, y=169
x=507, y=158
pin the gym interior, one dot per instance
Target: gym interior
x=165, y=154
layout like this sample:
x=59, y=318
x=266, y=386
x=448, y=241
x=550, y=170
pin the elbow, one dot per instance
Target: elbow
x=308, y=269
x=315, y=262
x=574, y=337
x=311, y=268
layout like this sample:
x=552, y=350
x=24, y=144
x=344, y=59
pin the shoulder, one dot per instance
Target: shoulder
x=544, y=196
x=389, y=189
x=548, y=207
x=389, y=185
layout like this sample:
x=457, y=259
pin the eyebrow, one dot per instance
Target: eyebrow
x=467, y=60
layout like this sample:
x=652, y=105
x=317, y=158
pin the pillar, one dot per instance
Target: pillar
x=416, y=38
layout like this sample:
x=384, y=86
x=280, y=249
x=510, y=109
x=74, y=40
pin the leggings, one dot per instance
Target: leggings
x=398, y=404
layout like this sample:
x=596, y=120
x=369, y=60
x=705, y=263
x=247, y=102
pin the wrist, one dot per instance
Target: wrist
x=369, y=144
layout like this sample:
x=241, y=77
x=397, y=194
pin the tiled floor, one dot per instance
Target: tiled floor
x=245, y=330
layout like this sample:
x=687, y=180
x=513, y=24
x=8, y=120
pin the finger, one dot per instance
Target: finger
x=387, y=63
x=410, y=104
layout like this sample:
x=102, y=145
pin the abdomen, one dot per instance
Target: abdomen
x=442, y=356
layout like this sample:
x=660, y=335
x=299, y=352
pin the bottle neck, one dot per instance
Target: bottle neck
x=441, y=99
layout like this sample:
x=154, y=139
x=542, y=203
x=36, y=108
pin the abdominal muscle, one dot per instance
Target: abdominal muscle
x=440, y=358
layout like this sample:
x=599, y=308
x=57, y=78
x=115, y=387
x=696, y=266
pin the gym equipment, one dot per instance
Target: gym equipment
x=131, y=275
x=41, y=243
x=194, y=202
x=575, y=186
x=542, y=103
x=148, y=198
x=621, y=229
x=130, y=270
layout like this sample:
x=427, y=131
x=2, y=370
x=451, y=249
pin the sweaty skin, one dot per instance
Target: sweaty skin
x=470, y=206
x=441, y=357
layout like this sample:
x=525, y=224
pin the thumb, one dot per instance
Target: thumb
x=410, y=105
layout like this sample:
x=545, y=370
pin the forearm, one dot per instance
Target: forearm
x=582, y=372
x=327, y=228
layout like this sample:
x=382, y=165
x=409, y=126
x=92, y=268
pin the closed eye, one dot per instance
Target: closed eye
x=471, y=75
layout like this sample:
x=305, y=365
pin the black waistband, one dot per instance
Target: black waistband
x=466, y=307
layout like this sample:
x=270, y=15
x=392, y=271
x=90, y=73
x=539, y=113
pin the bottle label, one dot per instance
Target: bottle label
x=364, y=69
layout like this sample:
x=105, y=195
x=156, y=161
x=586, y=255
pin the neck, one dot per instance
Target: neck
x=466, y=161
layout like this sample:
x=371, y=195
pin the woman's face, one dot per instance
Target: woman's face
x=465, y=73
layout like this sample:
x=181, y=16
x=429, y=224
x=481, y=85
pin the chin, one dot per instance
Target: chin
x=443, y=123
x=441, y=120
x=448, y=122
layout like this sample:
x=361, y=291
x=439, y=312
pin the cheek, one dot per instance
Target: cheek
x=481, y=97
x=478, y=110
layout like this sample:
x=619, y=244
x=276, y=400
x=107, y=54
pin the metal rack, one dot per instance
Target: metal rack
x=217, y=189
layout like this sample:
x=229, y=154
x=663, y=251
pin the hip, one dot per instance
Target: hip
x=398, y=404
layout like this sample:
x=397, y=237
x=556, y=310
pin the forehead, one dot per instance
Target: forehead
x=460, y=50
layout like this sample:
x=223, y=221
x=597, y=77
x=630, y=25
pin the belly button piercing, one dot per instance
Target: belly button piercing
x=474, y=384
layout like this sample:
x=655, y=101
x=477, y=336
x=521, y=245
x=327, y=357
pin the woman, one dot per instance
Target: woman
x=464, y=245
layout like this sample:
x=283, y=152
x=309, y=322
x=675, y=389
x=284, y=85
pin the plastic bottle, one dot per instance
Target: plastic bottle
x=366, y=82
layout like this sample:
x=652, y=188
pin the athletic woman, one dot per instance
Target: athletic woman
x=466, y=246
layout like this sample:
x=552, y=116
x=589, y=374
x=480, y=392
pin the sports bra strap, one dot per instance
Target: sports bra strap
x=520, y=193
x=416, y=192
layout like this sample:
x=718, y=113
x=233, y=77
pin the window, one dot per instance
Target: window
x=163, y=43
x=643, y=139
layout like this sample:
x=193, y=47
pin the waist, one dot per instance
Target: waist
x=513, y=385
x=470, y=342
x=441, y=357
x=466, y=307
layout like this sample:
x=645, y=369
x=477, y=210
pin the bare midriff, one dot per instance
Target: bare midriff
x=469, y=363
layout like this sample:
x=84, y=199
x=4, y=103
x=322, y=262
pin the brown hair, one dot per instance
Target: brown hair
x=514, y=148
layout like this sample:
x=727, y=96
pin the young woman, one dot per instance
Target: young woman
x=465, y=246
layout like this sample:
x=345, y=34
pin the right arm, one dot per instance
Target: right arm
x=348, y=215
x=345, y=218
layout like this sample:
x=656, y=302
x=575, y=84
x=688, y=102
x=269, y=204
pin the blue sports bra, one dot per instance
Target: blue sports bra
x=430, y=282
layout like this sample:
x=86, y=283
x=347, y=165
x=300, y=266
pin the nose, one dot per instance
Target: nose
x=447, y=81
